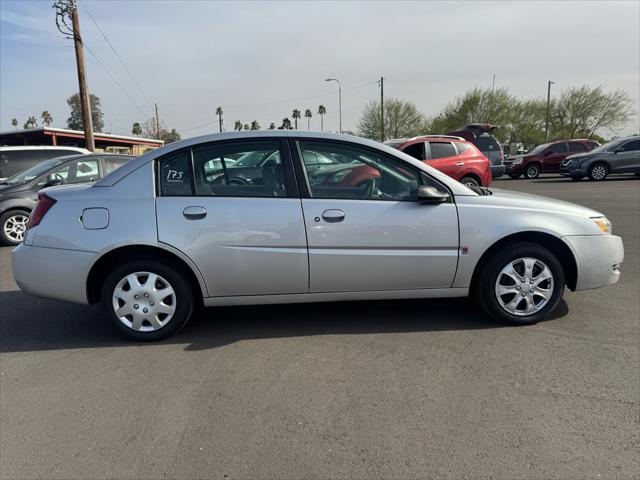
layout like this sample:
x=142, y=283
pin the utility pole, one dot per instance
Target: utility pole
x=67, y=11
x=546, y=123
x=339, y=99
x=381, y=83
x=219, y=112
x=157, y=123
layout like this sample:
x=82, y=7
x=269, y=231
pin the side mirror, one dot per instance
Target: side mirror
x=431, y=195
x=53, y=182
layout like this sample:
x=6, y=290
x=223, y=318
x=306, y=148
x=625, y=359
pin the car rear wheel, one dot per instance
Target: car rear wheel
x=147, y=300
x=13, y=224
x=598, y=172
x=470, y=181
x=520, y=285
x=532, y=171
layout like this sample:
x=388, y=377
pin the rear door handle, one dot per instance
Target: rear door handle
x=460, y=164
x=333, y=215
x=194, y=213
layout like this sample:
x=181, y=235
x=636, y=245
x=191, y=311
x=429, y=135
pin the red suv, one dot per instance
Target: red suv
x=454, y=156
x=546, y=158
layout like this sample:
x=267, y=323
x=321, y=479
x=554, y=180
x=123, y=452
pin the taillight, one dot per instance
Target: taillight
x=45, y=202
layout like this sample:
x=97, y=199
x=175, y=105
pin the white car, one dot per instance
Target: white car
x=170, y=230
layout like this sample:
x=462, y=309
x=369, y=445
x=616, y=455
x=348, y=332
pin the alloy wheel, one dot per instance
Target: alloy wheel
x=598, y=172
x=144, y=301
x=15, y=226
x=532, y=171
x=524, y=286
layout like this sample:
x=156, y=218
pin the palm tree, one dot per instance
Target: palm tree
x=296, y=115
x=31, y=122
x=246, y=126
x=14, y=122
x=272, y=126
x=307, y=114
x=322, y=111
x=47, y=119
x=286, y=124
x=136, y=129
x=255, y=125
x=238, y=125
x=219, y=112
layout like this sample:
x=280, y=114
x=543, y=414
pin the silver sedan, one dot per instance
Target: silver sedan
x=286, y=216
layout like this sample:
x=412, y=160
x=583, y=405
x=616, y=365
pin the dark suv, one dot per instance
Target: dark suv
x=618, y=156
x=18, y=194
x=481, y=135
x=546, y=158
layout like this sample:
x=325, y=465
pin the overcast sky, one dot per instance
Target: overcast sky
x=260, y=60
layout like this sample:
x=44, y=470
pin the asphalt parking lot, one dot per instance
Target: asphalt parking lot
x=408, y=389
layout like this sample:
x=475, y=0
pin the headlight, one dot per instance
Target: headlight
x=603, y=224
x=517, y=161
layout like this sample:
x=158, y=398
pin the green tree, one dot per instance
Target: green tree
x=31, y=122
x=246, y=127
x=47, y=119
x=307, y=114
x=136, y=129
x=255, y=125
x=74, y=121
x=581, y=112
x=286, y=124
x=295, y=115
x=169, y=137
x=237, y=125
x=219, y=113
x=401, y=119
x=272, y=126
x=14, y=122
x=322, y=110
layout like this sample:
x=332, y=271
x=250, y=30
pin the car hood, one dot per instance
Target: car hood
x=511, y=199
x=11, y=189
x=579, y=155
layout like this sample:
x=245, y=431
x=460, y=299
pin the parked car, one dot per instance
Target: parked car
x=546, y=158
x=155, y=238
x=481, y=135
x=14, y=160
x=618, y=156
x=455, y=156
x=19, y=193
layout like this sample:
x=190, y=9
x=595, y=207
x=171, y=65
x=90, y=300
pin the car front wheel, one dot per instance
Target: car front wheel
x=147, y=300
x=598, y=172
x=520, y=285
x=532, y=171
x=13, y=224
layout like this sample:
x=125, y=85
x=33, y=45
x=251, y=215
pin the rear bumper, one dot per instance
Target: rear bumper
x=52, y=272
x=497, y=170
x=515, y=168
x=598, y=258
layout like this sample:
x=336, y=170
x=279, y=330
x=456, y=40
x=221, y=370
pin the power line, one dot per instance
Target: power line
x=115, y=81
x=116, y=54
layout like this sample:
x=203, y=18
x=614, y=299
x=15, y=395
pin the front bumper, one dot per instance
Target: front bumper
x=573, y=170
x=497, y=170
x=52, y=272
x=598, y=258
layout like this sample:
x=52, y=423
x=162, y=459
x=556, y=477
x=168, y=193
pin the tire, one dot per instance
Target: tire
x=598, y=172
x=152, y=317
x=576, y=177
x=13, y=224
x=515, y=175
x=532, y=171
x=470, y=181
x=505, y=308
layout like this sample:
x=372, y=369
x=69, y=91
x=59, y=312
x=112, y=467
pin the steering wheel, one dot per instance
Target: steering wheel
x=57, y=176
x=232, y=181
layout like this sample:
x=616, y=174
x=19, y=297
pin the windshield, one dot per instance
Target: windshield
x=608, y=147
x=34, y=172
x=538, y=149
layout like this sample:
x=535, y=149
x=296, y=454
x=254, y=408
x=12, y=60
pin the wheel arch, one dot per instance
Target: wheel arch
x=101, y=268
x=472, y=174
x=556, y=245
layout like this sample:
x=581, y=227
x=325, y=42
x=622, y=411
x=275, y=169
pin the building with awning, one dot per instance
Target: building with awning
x=105, y=142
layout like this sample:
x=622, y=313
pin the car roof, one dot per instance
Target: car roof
x=43, y=147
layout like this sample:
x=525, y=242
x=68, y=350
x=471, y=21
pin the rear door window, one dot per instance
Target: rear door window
x=558, y=148
x=441, y=150
x=462, y=147
x=577, y=147
x=631, y=146
x=416, y=150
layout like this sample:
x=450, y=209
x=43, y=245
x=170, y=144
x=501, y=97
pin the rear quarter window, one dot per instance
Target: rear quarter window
x=487, y=143
x=175, y=174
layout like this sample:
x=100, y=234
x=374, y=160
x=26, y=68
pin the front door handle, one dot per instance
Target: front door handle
x=459, y=164
x=333, y=215
x=194, y=213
